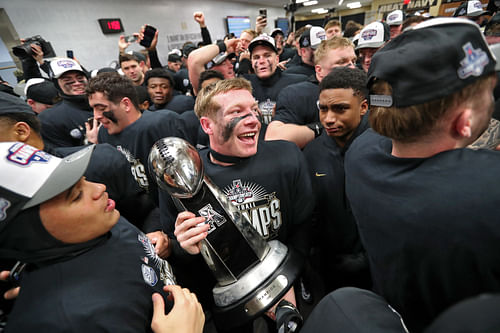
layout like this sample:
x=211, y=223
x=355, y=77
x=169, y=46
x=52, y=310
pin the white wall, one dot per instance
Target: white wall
x=71, y=24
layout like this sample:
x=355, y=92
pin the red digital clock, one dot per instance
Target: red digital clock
x=111, y=25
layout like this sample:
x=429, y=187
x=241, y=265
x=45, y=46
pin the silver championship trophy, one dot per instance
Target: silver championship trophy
x=252, y=274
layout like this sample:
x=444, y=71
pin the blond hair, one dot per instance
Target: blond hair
x=205, y=105
x=251, y=32
x=409, y=124
x=332, y=23
x=334, y=43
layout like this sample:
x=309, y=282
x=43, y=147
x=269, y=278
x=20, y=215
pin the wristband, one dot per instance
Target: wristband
x=222, y=47
x=317, y=128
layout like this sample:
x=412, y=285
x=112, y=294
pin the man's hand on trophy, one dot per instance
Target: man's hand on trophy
x=190, y=230
x=162, y=244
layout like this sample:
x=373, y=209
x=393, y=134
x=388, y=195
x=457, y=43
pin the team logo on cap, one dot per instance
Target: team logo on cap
x=392, y=17
x=65, y=63
x=23, y=154
x=477, y=5
x=474, y=62
x=212, y=217
x=149, y=275
x=321, y=35
x=369, y=34
x=4, y=205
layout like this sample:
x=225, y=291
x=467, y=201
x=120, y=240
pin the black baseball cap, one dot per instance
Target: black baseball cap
x=276, y=32
x=13, y=104
x=188, y=48
x=41, y=91
x=430, y=61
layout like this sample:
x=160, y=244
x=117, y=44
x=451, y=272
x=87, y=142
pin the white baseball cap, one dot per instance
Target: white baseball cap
x=470, y=8
x=374, y=35
x=312, y=37
x=63, y=65
x=263, y=40
x=395, y=17
x=31, y=176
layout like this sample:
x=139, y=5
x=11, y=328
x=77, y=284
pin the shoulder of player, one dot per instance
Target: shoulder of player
x=279, y=148
x=302, y=88
x=293, y=77
x=62, y=111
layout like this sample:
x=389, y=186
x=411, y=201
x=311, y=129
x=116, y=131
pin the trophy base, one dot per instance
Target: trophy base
x=268, y=291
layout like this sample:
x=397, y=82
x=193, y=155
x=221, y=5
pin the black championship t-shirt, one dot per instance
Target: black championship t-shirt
x=106, y=289
x=266, y=91
x=272, y=188
x=429, y=225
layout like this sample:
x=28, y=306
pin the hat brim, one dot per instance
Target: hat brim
x=67, y=174
x=71, y=70
x=476, y=14
x=372, y=45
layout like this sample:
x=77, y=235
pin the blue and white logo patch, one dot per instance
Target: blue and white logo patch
x=474, y=62
x=392, y=17
x=64, y=63
x=23, y=154
x=369, y=34
x=149, y=275
x=4, y=205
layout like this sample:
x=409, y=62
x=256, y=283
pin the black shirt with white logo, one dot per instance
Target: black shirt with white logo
x=106, y=289
x=266, y=91
x=272, y=188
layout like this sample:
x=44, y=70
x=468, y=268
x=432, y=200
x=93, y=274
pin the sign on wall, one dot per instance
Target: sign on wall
x=413, y=5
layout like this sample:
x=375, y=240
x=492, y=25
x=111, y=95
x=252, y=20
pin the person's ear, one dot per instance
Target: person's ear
x=22, y=131
x=363, y=108
x=463, y=123
x=126, y=103
x=207, y=125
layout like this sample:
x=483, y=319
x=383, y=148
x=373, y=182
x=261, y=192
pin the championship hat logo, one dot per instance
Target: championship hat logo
x=321, y=35
x=369, y=34
x=474, y=62
x=392, y=17
x=65, y=63
x=23, y=154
